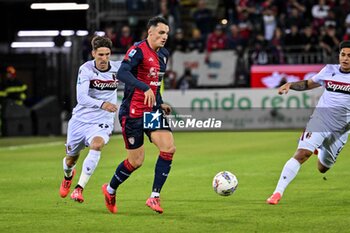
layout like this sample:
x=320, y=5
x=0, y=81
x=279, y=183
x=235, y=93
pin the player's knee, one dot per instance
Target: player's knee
x=97, y=144
x=170, y=149
x=301, y=155
x=71, y=160
x=136, y=162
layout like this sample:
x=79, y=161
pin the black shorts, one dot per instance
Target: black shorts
x=133, y=130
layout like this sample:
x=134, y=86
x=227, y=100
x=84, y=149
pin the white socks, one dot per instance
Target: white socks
x=154, y=194
x=67, y=170
x=290, y=170
x=110, y=190
x=89, y=166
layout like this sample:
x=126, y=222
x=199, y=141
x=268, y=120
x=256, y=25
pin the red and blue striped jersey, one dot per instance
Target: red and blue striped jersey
x=142, y=69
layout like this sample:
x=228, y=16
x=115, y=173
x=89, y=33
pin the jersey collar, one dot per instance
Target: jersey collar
x=102, y=71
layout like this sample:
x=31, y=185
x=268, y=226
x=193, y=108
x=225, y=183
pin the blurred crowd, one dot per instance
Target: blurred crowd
x=249, y=24
x=261, y=31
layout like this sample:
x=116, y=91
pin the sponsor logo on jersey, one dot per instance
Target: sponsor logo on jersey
x=132, y=53
x=104, y=85
x=155, y=83
x=337, y=87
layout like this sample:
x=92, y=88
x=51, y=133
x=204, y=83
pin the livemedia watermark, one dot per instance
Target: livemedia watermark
x=157, y=120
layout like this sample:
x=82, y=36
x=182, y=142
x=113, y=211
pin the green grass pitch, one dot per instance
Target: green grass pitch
x=31, y=172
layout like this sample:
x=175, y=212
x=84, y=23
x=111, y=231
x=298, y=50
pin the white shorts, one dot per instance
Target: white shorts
x=328, y=144
x=80, y=135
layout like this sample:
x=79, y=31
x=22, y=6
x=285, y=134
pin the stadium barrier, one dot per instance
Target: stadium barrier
x=218, y=71
x=46, y=117
x=240, y=109
x=16, y=120
x=272, y=76
x=237, y=109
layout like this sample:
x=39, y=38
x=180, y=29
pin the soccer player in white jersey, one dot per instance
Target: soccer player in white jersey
x=327, y=130
x=93, y=117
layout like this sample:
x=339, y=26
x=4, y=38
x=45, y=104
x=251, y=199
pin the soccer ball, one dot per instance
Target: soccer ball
x=225, y=183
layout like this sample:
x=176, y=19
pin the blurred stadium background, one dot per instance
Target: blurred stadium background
x=226, y=54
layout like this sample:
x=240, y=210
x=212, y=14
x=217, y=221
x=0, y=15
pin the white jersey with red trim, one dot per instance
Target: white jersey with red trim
x=333, y=108
x=93, y=88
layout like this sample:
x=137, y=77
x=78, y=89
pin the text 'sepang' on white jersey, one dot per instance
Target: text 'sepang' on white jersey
x=93, y=88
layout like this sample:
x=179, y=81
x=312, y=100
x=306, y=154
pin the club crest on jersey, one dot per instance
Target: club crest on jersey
x=150, y=59
x=152, y=72
x=131, y=140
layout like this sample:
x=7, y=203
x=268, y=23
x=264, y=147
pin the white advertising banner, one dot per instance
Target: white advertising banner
x=240, y=109
x=219, y=71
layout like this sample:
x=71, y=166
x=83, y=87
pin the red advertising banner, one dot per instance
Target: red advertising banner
x=272, y=76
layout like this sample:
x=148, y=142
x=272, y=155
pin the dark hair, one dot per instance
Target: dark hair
x=344, y=44
x=101, y=41
x=155, y=20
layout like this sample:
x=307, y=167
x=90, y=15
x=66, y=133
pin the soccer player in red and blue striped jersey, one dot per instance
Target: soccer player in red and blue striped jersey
x=142, y=71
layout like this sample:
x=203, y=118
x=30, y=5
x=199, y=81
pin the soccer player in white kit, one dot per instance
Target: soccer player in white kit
x=93, y=117
x=327, y=130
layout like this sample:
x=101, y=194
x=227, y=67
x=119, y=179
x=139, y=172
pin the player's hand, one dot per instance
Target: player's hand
x=166, y=108
x=109, y=107
x=284, y=88
x=150, y=98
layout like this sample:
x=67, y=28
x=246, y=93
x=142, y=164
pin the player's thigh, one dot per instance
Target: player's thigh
x=164, y=140
x=311, y=140
x=132, y=130
x=75, y=137
x=331, y=148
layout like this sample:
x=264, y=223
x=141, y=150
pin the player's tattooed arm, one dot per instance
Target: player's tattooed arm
x=300, y=85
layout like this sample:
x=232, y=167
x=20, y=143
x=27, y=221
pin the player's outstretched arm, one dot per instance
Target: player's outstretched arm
x=298, y=86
